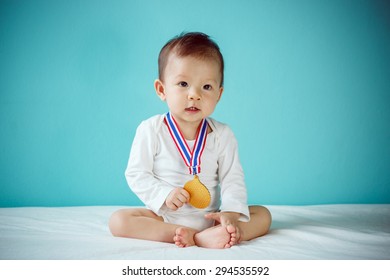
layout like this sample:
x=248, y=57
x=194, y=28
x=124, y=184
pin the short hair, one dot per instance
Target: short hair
x=196, y=44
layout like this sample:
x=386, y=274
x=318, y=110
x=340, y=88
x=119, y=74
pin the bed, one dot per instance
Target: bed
x=327, y=232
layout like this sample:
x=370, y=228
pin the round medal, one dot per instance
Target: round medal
x=199, y=194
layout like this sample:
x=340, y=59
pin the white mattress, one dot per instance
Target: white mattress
x=298, y=232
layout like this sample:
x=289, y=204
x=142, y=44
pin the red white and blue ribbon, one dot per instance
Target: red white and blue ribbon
x=191, y=158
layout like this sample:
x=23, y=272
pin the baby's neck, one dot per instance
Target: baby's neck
x=189, y=131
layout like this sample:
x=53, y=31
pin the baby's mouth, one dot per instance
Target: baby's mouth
x=192, y=109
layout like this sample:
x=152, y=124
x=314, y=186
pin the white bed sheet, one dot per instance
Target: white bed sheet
x=298, y=232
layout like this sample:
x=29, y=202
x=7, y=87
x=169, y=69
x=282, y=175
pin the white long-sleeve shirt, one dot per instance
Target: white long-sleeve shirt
x=156, y=167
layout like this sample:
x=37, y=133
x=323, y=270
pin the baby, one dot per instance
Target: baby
x=169, y=150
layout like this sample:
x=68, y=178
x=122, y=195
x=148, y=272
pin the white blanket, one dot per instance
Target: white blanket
x=297, y=232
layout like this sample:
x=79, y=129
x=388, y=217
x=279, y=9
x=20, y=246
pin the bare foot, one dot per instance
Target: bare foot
x=217, y=237
x=233, y=235
x=184, y=237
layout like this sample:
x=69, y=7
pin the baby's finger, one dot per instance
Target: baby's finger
x=183, y=197
x=171, y=205
x=177, y=202
x=213, y=216
x=185, y=194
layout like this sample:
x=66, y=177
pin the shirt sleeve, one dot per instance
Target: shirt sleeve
x=231, y=176
x=139, y=172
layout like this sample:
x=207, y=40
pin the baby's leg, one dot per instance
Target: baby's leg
x=141, y=224
x=258, y=225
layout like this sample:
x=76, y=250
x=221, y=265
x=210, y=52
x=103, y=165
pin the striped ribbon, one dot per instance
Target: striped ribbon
x=191, y=158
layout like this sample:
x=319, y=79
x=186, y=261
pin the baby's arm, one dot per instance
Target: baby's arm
x=231, y=177
x=177, y=198
x=140, y=176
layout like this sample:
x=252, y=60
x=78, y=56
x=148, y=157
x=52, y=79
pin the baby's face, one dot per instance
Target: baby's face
x=191, y=87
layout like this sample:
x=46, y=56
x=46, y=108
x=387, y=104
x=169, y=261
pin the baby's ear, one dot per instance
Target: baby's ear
x=160, y=90
x=220, y=93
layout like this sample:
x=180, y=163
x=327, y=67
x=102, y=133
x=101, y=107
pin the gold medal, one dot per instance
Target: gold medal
x=199, y=194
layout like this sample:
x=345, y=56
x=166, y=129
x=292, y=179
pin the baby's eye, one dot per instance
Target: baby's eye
x=183, y=84
x=207, y=87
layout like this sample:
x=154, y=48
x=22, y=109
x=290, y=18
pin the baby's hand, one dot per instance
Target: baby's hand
x=177, y=198
x=227, y=219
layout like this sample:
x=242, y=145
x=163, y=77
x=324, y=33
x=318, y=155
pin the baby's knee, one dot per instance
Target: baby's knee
x=263, y=216
x=116, y=223
x=266, y=214
x=260, y=210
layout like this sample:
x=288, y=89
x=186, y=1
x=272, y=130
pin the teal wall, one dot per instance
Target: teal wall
x=307, y=93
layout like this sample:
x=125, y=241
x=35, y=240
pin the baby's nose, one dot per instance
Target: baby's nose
x=194, y=94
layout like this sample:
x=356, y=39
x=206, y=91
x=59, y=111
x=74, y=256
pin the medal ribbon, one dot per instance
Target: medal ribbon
x=191, y=158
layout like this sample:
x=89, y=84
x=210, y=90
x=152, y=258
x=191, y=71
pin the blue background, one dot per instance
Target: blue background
x=307, y=94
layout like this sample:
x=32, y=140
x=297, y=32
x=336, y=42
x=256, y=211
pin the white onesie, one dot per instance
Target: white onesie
x=155, y=168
